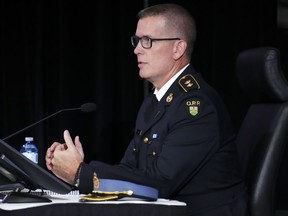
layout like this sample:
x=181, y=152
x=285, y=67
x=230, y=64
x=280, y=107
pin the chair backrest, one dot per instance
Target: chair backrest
x=263, y=134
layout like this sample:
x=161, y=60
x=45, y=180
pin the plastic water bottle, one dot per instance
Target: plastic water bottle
x=30, y=150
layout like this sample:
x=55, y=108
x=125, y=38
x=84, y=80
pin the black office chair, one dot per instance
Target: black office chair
x=263, y=134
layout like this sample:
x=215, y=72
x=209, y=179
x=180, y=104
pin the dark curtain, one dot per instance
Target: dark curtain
x=61, y=54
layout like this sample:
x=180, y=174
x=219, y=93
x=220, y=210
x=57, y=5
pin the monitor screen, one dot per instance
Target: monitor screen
x=17, y=169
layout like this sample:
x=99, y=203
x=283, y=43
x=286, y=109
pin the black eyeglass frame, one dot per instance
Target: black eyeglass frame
x=137, y=39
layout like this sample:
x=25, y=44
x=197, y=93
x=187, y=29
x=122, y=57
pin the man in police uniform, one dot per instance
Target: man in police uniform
x=184, y=141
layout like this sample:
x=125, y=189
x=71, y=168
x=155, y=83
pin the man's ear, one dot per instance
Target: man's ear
x=179, y=48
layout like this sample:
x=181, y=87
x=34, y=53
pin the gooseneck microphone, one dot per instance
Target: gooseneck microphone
x=87, y=107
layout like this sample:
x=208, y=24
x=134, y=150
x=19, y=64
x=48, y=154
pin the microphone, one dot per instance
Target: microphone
x=87, y=107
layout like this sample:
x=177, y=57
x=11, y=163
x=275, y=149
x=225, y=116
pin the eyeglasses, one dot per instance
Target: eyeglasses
x=146, y=42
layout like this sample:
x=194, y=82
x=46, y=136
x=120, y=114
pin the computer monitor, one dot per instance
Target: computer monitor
x=16, y=169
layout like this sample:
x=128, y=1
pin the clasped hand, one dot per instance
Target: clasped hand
x=64, y=159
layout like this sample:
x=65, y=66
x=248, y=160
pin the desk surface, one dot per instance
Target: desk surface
x=70, y=205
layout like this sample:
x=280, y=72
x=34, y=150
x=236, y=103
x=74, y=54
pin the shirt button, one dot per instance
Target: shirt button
x=145, y=140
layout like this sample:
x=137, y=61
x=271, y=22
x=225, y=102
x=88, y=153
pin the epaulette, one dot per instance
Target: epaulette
x=188, y=82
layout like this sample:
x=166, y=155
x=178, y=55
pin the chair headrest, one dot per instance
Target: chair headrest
x=260, y=75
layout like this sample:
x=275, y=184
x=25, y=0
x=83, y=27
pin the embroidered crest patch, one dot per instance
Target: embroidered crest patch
x=193, y=107
x=193, y=110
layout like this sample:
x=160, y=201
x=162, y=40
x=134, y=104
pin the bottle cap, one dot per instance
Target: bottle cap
x=28, y=139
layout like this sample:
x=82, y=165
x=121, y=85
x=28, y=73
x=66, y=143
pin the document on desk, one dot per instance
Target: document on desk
x=65, y=199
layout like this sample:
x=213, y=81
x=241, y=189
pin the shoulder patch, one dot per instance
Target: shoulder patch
x=193, y=107
x=188, y=82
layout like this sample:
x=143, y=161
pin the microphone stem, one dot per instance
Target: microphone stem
x=17, y=132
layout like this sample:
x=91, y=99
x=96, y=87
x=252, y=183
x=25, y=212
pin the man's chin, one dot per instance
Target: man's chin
x=142, y=74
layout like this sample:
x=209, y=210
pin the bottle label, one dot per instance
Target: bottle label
x=32, y=156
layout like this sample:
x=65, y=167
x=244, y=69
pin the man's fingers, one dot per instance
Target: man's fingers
x=78, y=146
x=49, y=165
x=53, y=146
x=68, y=140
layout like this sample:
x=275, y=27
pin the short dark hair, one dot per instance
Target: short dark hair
x=178, y=18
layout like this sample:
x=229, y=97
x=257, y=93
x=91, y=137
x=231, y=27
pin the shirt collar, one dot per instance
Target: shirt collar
x=161, y=92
